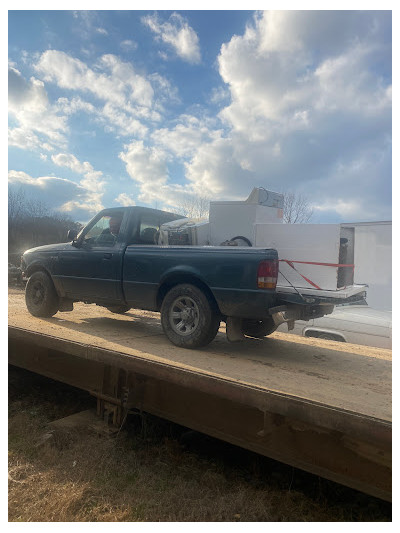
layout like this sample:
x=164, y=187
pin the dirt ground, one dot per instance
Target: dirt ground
x=357, y=378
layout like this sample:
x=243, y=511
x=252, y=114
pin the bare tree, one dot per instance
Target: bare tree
x=296, y=209
x=193, y=206
x=31, y=223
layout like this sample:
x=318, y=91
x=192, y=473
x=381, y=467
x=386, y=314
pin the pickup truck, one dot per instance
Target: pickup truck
x=115, y=262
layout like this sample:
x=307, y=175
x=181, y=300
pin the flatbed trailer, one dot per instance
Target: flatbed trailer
x=321, y=406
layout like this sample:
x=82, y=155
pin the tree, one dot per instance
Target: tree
x=193, y=206
x=296, y=209
x=31, y=223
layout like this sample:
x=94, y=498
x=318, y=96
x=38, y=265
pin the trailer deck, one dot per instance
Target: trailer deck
x=321, y=406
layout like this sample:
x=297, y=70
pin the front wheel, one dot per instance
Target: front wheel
x=188, y=318
x=258, y=328
x=40, y=296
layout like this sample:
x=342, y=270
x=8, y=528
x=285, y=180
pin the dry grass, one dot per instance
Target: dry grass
x=152, y=472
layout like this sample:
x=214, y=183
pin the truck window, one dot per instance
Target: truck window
x=149, y=228
x=105, y=231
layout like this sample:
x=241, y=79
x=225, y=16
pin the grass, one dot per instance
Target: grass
x=152, y=471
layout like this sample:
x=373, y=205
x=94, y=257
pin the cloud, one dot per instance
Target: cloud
x=184, y=139
x=124, y=200
x=304, y=111
x=147, y=166
x=91, y=182
x=128, y=45
x=38, y=123
x=120, y=85
x=51, y=190
x=128, y=100
x=178, y=34
x=87, y=24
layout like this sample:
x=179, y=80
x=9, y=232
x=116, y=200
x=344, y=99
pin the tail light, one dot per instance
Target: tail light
x=267, y=274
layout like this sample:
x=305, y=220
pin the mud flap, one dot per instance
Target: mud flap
x=234, y=331
x=66, y=305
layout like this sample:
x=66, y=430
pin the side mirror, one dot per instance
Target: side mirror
x=71, y=235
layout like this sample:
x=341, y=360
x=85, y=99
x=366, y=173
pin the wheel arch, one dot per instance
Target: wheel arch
x=36, y=267
x=179, y=278
x=315, y=332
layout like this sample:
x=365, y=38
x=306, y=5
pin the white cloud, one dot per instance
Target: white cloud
x=120, y=85
x=88, y=23
x=74, y=105
x=122, y=122
x=178, y=34
x=53, y=191
x=303, y=107
x=38, y=123
x=70, y=161
x=24, y=138
x=128, y=45
x=187, y=135
x=124, y=200
x=92, y=181
x=147, y=166
x=129, y=99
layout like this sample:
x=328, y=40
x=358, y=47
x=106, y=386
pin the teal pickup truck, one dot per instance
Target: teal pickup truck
x=115, y=262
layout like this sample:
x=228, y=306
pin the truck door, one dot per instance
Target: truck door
x=92, y=267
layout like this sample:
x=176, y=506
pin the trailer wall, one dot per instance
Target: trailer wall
x=373, y=261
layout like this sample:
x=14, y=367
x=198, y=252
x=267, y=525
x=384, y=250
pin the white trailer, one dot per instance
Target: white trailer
x=373, y=261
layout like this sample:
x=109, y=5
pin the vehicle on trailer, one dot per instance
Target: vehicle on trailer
x=116, y=261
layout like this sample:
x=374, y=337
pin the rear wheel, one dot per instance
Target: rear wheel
x=188, y=317
x=258, y=328
x=40, y=296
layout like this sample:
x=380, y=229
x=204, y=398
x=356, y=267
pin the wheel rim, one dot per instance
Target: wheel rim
x=38, y=293
x=184, y=315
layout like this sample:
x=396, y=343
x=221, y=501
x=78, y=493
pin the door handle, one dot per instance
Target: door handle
x=107, y=256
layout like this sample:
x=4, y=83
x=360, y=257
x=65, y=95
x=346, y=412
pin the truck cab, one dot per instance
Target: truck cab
x=90, y=267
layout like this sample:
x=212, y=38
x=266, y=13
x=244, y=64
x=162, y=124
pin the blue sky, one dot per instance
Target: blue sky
x=151, y=108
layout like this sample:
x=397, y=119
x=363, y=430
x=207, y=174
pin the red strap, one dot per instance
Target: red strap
x=321, y=264
x=290, y=263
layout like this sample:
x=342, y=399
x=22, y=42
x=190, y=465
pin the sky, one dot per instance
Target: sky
x=110, y=108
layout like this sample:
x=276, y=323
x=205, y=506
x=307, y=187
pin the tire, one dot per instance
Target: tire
x=239, y=238
x=118, y=309
x=40, y=296
x=258, y=328
x=188, y=318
